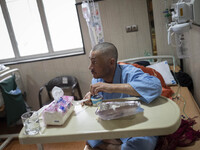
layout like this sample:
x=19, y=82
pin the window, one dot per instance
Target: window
x=64, y=25
x=38, y=29
x=6, y=47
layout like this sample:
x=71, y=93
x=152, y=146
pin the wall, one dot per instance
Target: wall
x=191, y=64
x=160, y=29
x=116, y=15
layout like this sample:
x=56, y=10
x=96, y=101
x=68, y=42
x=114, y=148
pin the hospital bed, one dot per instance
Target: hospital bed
x=4, y=75
x=182, y=96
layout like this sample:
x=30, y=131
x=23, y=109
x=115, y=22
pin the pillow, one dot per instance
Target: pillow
x=163, y=69
x=166, y=90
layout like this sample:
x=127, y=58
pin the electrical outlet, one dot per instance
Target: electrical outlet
x=132, y=28
x=128, y=29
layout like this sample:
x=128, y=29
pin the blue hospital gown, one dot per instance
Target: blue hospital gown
x=149, y=87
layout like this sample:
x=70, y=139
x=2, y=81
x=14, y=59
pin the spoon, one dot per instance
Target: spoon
x=78, y=102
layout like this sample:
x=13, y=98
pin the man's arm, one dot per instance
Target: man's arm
x=113, y=88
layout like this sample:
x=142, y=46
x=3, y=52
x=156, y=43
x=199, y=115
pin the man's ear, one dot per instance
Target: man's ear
x=112, y=61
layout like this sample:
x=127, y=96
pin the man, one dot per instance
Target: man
x=118, y=81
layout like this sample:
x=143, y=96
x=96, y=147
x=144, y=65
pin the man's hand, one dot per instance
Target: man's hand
x=87, y=96
x=100, y=87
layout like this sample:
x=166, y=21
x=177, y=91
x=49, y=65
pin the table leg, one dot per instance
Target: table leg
x=40, y=147
x=5, y=143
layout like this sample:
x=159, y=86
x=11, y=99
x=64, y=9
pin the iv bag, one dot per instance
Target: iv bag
x=91, y=14
x=86, y=11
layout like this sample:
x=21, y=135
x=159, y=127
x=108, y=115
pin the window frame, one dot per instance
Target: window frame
x=43, y=56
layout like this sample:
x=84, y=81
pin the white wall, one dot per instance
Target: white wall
x=192, y=64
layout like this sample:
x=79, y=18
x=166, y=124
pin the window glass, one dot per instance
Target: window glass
x=27, y=27
x=6, y=50
x=63, y=24
x=57, y=35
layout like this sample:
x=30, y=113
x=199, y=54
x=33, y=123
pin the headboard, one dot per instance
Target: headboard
x=152, y=59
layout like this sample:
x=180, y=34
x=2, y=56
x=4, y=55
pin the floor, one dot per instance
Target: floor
x=15, y=145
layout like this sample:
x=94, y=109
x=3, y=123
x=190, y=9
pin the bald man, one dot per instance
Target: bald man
x=119, y=81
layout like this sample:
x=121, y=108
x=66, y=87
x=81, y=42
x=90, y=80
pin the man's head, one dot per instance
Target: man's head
x=103, y=59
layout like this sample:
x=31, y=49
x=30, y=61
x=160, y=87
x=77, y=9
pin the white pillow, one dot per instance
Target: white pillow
x=163, y=69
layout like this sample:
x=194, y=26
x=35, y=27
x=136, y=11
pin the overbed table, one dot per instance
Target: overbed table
x=160, y=117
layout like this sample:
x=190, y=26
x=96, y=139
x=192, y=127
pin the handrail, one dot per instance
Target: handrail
x=8, y=72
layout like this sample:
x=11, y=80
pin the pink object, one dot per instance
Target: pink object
x=57, y=112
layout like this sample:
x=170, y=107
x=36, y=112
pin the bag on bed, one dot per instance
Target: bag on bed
x=184, y=80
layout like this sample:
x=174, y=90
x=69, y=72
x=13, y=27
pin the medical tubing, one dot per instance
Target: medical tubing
x=177, y=93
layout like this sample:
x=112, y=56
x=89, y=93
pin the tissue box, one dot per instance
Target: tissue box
x=58, y=111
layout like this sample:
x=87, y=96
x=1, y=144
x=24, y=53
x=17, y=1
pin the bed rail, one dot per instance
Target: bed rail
x=152, y=59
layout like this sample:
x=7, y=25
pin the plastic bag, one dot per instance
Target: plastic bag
x=115, y=110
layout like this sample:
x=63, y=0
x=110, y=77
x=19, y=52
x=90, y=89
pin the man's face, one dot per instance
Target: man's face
x=99, y=66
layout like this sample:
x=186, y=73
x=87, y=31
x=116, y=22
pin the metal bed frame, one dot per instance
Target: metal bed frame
x=152, y=59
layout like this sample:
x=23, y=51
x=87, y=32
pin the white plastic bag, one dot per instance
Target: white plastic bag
x=115, y=110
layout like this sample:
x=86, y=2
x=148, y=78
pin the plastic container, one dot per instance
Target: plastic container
x=96, y=99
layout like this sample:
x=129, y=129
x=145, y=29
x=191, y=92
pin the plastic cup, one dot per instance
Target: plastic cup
x=31, y=123
x=96, y=100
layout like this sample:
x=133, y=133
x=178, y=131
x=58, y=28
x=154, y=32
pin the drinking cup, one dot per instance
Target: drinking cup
x=31, y=123
x=96, y=100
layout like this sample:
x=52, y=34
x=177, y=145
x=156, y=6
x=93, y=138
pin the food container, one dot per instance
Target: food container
x=96, y=99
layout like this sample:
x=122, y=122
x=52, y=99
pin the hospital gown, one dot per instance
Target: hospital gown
x=149, y=87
